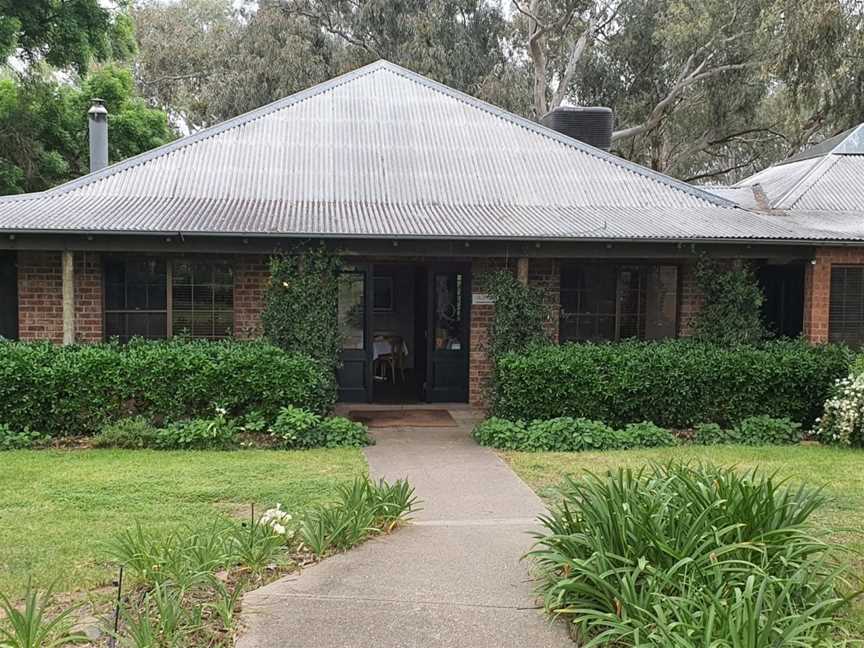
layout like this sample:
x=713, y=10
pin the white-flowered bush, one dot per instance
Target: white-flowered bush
x=277, y=519
x=843, y=420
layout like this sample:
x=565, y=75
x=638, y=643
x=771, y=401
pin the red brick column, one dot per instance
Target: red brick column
x=251, y=277
x=817, y=288
x=40, y=296
x=88, y=297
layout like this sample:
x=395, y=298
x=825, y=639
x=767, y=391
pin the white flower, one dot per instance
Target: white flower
x=278, y=528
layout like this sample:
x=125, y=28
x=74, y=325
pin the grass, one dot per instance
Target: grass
x=58, y=508
x=841, y=472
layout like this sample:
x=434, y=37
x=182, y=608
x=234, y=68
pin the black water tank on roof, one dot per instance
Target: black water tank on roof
x=589, y=124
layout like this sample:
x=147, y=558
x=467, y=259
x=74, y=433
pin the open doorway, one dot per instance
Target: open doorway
x=398, y=355
x=408, y=332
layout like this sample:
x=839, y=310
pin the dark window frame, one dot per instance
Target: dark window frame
x=618, y=327
x=168, y=310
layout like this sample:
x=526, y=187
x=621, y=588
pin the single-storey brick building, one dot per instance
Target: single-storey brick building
x=422, y=189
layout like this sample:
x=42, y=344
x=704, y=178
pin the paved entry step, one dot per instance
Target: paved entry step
x=388, y=418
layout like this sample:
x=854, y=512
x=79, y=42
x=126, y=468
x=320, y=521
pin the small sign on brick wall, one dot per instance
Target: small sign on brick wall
x=479, y=299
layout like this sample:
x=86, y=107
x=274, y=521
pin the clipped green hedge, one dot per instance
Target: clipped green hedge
x=676, y=383
x=74, y=390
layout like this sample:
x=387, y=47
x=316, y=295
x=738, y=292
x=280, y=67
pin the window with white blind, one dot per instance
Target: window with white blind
x=151, y=297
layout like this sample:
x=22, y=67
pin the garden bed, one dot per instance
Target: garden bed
x=839, y=470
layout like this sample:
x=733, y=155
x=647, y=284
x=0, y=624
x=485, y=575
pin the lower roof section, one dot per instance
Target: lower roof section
x=175, y=216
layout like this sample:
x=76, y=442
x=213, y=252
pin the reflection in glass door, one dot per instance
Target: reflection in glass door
x=447, y=372
x=354, y=374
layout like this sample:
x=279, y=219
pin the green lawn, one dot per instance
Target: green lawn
x=841, y=472
x=57, y=508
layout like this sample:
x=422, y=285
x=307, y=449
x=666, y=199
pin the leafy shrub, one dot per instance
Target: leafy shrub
x=731, y=311
x=754, y=430
x=297, y=428
x=713, y=434
x=648, y=435
x=842, y=422
x=129, y=434
x=340, y=432
x=765, y=430
x=689, y=556
x=75, y=390
x=567, y=434
x=217, y=433
x=563, y=434
x=500, y=433
x=674, y=383
x=363, y=508
x=26, y=438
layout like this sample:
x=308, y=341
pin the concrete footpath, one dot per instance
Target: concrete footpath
x=452, y=578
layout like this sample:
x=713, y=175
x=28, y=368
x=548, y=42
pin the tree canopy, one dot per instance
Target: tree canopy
x=44, y=130
x=705, y=90
x=52, y=51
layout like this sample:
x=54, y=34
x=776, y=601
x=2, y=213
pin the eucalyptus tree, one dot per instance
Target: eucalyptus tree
x=700, y=88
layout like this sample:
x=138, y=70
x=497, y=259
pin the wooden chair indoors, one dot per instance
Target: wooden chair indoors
x=390, y=352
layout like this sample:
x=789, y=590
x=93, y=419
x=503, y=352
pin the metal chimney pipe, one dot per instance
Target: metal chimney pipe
x=98, y=118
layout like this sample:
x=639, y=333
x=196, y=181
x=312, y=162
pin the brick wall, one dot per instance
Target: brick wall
x=88, y=297
x=251, y=276
x=817, y=288
x=40, y=296
x=542, y=273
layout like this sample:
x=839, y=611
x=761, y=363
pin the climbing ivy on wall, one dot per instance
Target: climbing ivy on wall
x=520, y=314
x=300, y=313
x=732, y=309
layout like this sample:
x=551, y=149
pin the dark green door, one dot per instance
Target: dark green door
x=449, y=304
x=355, y=373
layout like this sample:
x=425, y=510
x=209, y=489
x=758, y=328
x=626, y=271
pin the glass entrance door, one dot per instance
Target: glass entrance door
x=448, y=334
x=355, y=373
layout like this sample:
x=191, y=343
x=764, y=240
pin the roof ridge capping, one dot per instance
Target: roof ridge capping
x=393, y=68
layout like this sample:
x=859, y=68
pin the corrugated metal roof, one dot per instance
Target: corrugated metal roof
x=421, y=220
x=384, y=152
x=742, y=196
x=828, y=177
